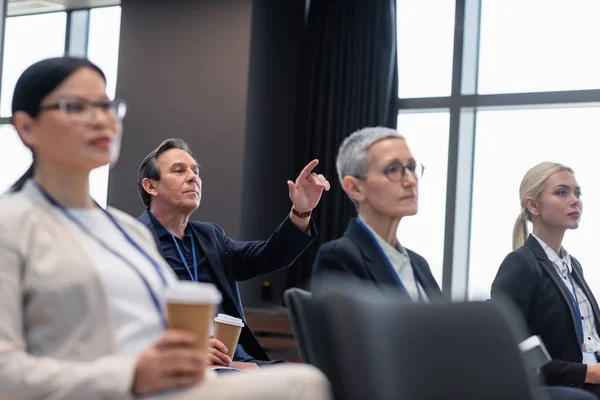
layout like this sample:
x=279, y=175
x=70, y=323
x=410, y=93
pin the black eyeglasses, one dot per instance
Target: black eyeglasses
x=396, y=172
x=82, y=111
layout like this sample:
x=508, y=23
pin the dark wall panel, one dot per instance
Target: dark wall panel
x=277, y=28
x=222, y=75
x=183, y=69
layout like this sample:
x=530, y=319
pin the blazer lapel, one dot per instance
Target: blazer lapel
x=430, y=290
x=145, y=219
x=550, y=269
x=214, y=261
x=376, y=264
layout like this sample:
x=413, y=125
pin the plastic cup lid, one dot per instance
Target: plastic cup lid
x=192, y=292
x=228, y=319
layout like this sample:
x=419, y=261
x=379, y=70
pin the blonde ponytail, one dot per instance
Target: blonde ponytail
x=520, y=231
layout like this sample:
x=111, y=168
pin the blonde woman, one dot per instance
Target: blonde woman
x=546, y=283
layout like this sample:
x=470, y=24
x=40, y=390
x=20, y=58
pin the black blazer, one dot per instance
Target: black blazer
x=355, y=254
x=233, y=261
x=531, y=281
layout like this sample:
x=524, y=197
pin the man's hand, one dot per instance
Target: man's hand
x=306, y=192
x=170, y=363
x=218, y=354
x=593, y=374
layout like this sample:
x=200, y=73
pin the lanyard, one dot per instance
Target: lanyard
x=389, y=264
x=183, y=260
x=101, y=242
x=577, y=309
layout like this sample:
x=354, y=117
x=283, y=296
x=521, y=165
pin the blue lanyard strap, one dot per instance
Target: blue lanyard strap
x=193, y=277
x=81, y=226
x=389, y=264
x=577, y=310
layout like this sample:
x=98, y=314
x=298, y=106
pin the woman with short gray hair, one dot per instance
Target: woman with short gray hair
x=380, y=175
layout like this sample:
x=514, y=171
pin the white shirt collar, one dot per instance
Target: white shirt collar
x=560, y=262
x=385, y=246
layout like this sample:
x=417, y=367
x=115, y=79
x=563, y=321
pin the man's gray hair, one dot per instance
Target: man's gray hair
x=352, y=156
x=149, y=167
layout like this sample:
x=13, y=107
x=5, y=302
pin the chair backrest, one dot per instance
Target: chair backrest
x=311, y=335
x=384, y=348
x=299, y=305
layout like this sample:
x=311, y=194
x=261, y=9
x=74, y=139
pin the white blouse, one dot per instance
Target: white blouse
x=562, y=264
x=400, y=261
x=137, y=322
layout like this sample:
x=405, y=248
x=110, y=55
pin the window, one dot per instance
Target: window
x=103, y=43
x=509, y=50
x=103, y=50
x=509, y=143
x=28, y=39
x=427, y=136
x=425, y=41
x=24, y=46
x=538, y=45
x=47, y=39
x=15, y=158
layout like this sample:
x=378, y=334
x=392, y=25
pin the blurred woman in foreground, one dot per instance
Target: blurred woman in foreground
x=81, y=307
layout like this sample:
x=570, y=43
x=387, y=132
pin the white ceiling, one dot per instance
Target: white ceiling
x=21, y=7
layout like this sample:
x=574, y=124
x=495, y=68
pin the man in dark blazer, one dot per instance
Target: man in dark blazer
x=378, y=172
x=170, y=188
x=532, y=282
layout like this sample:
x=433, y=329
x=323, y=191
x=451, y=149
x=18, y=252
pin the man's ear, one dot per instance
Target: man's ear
x=532, y=205
x=353, y=188
x=149, y=187
x=23, y=124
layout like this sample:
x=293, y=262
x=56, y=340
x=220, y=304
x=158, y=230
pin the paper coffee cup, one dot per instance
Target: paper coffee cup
x=227, y=331
x=190, y=307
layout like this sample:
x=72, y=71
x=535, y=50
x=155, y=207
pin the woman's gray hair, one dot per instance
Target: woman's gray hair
x=352, y=156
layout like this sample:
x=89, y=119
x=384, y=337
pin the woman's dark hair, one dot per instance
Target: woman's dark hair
x=37, y=82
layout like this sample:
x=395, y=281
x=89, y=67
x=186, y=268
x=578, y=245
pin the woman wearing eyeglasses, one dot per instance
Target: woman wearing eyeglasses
x=81, y=307
x=379, y=174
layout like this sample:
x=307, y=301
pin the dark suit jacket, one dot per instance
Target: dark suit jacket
x=531, y=281
x=233, y=261
x=355, y=254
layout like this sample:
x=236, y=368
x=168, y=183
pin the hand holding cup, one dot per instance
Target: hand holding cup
x=227, y=332
x=190, y=308
x=172, y=362
x=218, y=353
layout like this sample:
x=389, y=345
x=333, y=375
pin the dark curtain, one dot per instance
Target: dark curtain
x=349, y=81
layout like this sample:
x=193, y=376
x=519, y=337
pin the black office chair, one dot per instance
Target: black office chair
x=383, y=348
x=299, y=303
x=311, y=336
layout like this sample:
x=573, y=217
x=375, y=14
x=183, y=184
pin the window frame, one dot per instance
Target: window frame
x=463, y=103
x=77, y=35
x=76, y=40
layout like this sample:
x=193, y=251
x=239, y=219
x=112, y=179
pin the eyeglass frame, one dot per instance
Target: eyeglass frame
x=403, y=171
x=61, y=105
